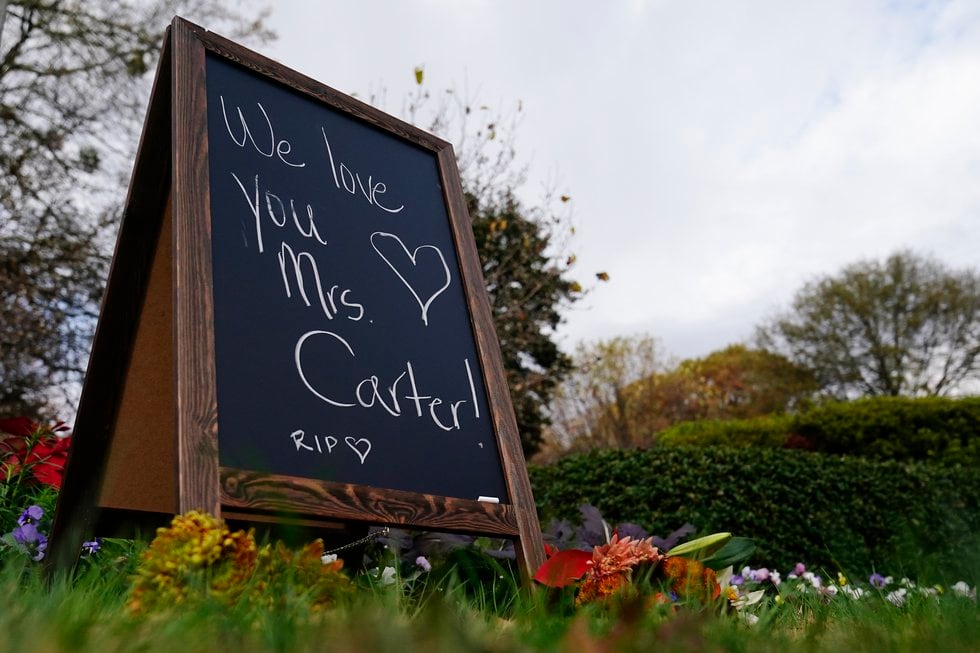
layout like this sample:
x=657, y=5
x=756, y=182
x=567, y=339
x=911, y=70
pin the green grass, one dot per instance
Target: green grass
x=454, y=612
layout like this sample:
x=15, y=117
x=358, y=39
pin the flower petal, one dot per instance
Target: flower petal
x=563, y=568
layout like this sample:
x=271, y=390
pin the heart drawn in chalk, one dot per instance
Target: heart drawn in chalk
x=405, y=264
x=357, y=447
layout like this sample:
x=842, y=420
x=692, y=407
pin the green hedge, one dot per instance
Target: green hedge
x=835, y=512
x=770, y=431
x=896, y=428
x=886, y=428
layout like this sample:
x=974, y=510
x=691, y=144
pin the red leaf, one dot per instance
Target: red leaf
x=564, y=568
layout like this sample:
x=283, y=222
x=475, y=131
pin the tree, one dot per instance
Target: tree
x=526, y=290
x=907, y=326
x=736, y=382
x=74, y=78
x=624, y=391
x=603, y=402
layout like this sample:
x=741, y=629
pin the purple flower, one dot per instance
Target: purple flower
x=423, y=564
x=31, y=541
x=877, y=581
x=760, y=575
x=91, y=548
x=32, y=515
x=736, y=580
x=799, y=569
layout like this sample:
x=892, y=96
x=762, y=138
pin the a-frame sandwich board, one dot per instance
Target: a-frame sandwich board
x=184, y=410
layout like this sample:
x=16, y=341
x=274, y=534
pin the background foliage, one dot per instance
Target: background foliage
x=625, y=391
x=886, y=428
x=837, y=512
x=74, y=78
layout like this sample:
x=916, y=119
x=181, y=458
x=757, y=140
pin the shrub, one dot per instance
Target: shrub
x=884, y=428
x=838, y=512
x=769, y=431
x=896, y=428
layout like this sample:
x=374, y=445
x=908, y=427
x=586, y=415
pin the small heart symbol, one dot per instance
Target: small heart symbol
x=355, y=445
x=403, y=270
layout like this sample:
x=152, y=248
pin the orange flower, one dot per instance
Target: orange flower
x=689, y=578
x=612, y=565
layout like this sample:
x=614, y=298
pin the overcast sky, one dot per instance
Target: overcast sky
x=718, y=154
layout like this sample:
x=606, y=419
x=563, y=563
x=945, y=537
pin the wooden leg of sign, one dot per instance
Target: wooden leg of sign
x=530, y=550
x=197, y=423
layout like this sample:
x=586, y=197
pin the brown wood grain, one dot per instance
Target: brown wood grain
x=276, y=493
x=530, y=547
x=318, y=91
x=196, y=397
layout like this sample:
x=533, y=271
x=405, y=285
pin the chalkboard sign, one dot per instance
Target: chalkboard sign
x=295, y=324
x=344, y=349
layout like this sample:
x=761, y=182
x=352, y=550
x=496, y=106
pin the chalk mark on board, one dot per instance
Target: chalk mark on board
x=413, y=259
x=356, y=446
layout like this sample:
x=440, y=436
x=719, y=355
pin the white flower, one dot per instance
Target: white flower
x=897, y=597
x=853, y=592
x=327, y=558
x=905, y=582
x=747, y=599
x=750, y=618
x=388, y=576
x=963, y=590
x=775, y=578
x=724, y=577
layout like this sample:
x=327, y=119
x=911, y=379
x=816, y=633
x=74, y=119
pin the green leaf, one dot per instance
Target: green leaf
x=701, y=546
x=419, y=72
x=736, y=551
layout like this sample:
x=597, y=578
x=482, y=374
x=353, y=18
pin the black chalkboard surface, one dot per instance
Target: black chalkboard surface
x=343, y=345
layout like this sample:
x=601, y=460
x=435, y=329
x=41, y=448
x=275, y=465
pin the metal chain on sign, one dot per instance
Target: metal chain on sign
x=364, y=540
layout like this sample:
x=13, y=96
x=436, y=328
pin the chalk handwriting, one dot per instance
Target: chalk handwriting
x=369, y=393
x=328, y=300
x=360, y=446
x=405, y=266
x=276, y=211
x=299, y=437
x=351, y=181
x=279, y=148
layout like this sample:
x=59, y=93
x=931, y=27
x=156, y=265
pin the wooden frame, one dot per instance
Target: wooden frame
x=179, y=90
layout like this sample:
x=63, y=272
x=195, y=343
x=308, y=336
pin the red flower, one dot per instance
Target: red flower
x=28, y=444
x=47, y=460
x=563, y=567
x=19, y=426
